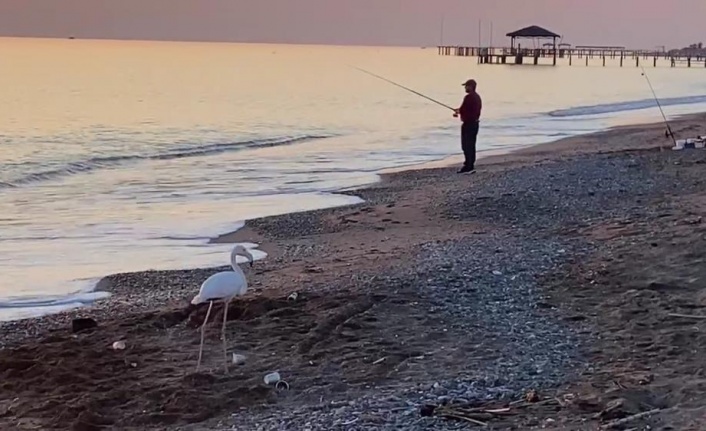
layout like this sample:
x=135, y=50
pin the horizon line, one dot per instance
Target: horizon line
x=233, y=42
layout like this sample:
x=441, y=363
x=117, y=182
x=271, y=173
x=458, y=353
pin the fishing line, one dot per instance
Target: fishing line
x=405, y=88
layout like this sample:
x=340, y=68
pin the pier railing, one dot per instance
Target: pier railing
x=504, y=55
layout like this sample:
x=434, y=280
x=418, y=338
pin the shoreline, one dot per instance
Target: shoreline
x=452, y=160
x=553, y=269
x=499, y=157
x=494, y=155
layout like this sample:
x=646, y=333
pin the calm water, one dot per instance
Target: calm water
x=123, y=156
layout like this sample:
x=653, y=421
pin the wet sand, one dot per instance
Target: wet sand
x=565, y=268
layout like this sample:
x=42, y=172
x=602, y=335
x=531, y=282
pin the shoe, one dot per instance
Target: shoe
x=466, y=170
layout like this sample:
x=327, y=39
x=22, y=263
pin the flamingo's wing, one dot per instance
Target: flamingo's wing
x=221, y=285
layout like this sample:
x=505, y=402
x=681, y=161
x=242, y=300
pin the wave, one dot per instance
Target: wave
x=97, y=163
x=72, y=300
x=625, y=106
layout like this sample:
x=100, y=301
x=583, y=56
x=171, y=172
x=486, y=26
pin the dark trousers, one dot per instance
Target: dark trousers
x=469, y=134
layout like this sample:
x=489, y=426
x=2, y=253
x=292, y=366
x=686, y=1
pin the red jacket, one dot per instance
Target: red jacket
x=471, y=107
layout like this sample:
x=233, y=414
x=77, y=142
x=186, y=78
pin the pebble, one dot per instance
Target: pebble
x=119, y=345
x=238, y=359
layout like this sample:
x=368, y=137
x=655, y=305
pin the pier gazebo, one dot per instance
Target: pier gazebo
x=534, y=32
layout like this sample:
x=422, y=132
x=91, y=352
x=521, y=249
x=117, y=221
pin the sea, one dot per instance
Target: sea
x=120, y=156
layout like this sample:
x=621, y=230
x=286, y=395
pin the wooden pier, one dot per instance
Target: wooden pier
x=552, y=53
x=588, y=56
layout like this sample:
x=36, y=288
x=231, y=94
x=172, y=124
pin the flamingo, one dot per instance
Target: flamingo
x=223, y=286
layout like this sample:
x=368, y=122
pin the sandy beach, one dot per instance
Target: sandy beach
x=559, y=287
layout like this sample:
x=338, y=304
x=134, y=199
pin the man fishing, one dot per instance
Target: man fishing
x=470, y=117
x=469, y=112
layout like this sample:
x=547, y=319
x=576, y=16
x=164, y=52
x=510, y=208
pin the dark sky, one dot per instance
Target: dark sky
x=632, y=23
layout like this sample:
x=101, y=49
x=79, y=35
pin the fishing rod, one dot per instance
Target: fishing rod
x=659, y=105
x=405, y=88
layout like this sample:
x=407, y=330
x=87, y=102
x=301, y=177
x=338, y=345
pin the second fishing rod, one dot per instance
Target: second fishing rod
x=669, y=131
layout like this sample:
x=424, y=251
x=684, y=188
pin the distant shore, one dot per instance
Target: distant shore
x=552, y=269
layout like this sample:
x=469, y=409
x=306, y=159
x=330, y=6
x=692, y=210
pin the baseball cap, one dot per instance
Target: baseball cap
x=470, y=82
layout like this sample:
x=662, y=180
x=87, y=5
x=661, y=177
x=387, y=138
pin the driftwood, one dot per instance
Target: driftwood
x=687, y=316
x=482, y=415
x=623, y=421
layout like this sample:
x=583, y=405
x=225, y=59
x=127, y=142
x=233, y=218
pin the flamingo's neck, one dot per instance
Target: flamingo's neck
x=234, y=264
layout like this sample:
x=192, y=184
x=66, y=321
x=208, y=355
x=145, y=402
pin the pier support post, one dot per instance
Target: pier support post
x=637, y=61
x=586, y=60
x=603, y=59
x=621, y=59
x=654, y=63
x=688, y=62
